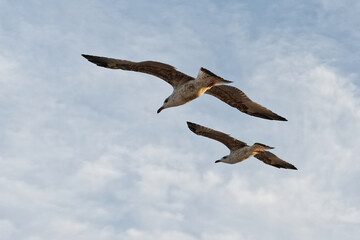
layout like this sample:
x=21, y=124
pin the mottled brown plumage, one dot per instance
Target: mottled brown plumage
x=239, y=150
x=164, y=71
x=187, y=88
x=226, y=139
x=238, y=99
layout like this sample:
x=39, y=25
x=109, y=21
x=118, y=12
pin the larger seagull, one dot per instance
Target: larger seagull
x=187, y=88
x=239, y=151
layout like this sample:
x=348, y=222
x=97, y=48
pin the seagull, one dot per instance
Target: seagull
x=239, y=151
x=187, y=88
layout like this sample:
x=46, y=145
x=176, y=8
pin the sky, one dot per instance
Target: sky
x=83, y=154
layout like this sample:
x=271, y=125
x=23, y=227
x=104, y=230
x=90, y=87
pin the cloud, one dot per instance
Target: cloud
x=7, y=229
x=85, y=156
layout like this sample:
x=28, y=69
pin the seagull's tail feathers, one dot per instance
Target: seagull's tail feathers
x=263, y=146
x=205, y=74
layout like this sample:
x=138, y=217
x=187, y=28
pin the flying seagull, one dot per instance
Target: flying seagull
x=239, y=151
x=187, y=88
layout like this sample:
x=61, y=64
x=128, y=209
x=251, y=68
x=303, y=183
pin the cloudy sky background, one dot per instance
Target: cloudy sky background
x=83, y=154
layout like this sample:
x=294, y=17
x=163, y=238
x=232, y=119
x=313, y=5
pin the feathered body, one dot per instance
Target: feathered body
x=243, y=153
x=187, y=88
x=193, y=89
x=239, y=151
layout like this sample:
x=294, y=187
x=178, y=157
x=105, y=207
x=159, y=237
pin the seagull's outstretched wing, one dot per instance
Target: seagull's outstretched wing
x=238, y=99
x=273, y=160
x=158, y=69
x=227, y=140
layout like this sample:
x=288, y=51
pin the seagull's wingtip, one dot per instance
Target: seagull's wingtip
x=192, y=126
x=278, y=118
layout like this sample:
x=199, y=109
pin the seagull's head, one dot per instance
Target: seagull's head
x=168, y=102
x=164, y=105
x=224, y=159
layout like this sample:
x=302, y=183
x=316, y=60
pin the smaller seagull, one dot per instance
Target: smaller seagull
x=239, y=151
x=187, y=88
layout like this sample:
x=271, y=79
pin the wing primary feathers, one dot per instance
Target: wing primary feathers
x=226, y=139
x=273, y=160
x=238, y=99
x=161, y=70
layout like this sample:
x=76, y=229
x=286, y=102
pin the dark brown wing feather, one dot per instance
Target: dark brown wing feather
x=158, y=69
x=227, y=140
x=238, y=99
x=273, y=160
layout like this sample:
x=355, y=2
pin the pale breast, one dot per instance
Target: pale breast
x=189, y=91
x=241, y=154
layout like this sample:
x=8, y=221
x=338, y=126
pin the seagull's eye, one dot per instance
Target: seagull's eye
x=166, y=100
x=223, y=157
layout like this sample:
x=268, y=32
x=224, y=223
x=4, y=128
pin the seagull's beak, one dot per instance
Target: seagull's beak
x=217, y=161
x=160, y=109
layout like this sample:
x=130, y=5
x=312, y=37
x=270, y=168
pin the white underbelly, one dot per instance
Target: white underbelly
x=189, y=92
x=241, y=154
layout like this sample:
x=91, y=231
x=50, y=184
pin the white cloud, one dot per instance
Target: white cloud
x=7, y=229
x=85, y=156
x=136, y=234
